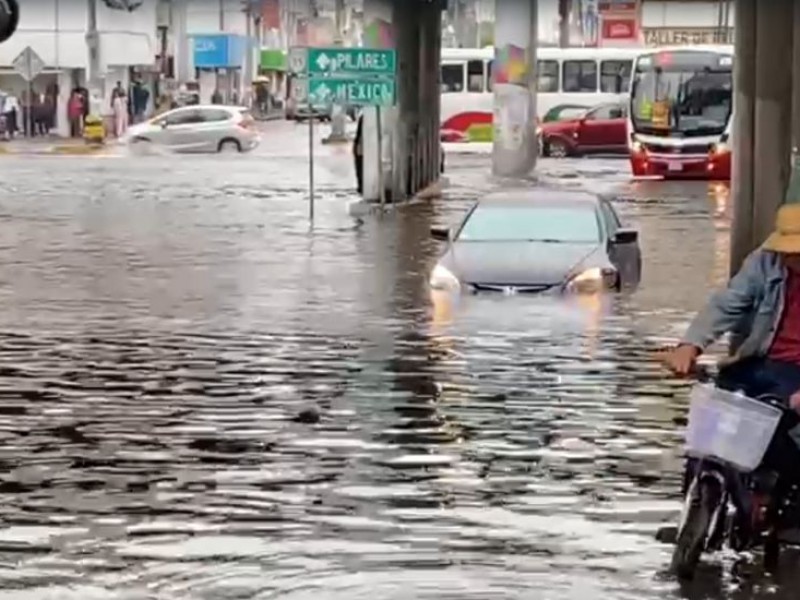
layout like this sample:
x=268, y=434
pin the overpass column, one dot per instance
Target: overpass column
x=744, y=88
x=773, y=112
x=379, y=32
x=796, y=79
x=514, y=147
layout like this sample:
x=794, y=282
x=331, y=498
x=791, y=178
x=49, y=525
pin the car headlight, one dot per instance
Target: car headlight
x=592, y=280
x=443, y=279
x=636, y=146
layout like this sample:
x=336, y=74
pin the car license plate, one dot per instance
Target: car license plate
x=674, y=165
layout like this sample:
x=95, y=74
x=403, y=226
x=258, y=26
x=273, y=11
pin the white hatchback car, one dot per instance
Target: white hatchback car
x=200, y=128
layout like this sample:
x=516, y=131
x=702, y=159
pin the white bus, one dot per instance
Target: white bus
x=680, y=116
x=569, y=81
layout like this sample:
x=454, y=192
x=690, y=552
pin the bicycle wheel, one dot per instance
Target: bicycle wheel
x=695, y=531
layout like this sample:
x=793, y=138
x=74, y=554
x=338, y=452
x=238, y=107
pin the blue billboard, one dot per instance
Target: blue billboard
x=218, y=51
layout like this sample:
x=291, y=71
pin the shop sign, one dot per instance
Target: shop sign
x=687, y=36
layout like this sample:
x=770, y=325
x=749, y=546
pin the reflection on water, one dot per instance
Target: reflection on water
x=201, y=400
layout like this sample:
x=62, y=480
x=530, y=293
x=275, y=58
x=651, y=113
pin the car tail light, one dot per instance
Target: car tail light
x=247, y=123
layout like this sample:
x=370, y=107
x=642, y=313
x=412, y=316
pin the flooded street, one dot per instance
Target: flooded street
x=202, y=398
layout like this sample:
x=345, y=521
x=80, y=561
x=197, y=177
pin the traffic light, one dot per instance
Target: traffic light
x=9, y=18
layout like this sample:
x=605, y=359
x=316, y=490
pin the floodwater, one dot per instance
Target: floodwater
x=202, y=398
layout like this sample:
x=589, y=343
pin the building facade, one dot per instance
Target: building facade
x=57, y=30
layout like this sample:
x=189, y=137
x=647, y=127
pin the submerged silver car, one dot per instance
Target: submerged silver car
x=199, y=128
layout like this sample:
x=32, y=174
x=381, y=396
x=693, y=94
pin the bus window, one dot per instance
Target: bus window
x=452, y=78
x=547, y=76
x=475, y=76
x=580, y=76
x=615, y=76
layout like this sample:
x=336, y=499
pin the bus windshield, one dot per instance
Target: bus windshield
x=682, y=94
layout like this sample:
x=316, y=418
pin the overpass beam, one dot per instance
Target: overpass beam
x=514, y=146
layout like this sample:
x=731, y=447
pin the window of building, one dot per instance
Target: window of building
x=547, y=76
x=615, y=76
x=475, y=76
x=452, y=78
x=580, y=76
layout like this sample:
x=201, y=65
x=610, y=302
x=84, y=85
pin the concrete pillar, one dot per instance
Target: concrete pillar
x=378, y=32
x=796, y=79
x=744, y=87
x=406, y=114
x=514, y=148
x=773, y=112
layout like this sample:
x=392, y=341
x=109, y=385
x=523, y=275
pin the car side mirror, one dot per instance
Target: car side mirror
x=440, y=233
x=625, y=236
x=164, y=124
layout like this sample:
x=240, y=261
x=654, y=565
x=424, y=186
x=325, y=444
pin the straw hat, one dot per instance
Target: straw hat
x=786, y=237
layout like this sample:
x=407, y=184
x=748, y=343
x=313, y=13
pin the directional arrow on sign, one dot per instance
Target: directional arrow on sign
x=322, y=92
x=323, y=62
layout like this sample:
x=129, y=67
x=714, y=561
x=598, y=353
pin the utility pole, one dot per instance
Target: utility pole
x=221, y=30
x=564, y=7
x=338, y=113
x=95, y=81
x=246, y=81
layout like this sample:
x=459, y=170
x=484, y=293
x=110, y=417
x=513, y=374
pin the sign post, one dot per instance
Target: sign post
x=343, y=76
x=29, y=65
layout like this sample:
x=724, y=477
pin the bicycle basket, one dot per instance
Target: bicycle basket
x=729, y=427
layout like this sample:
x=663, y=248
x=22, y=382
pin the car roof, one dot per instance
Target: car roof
x=541, y=198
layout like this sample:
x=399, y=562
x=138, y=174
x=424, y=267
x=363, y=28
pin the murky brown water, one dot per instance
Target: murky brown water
x=164, y=322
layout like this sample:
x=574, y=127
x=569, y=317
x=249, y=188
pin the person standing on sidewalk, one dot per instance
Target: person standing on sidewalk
x=120, y=110
x=75, y=114
x=10, y=111
x=358, y=155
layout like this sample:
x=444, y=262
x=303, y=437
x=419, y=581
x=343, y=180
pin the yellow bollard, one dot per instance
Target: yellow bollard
x=94, y=131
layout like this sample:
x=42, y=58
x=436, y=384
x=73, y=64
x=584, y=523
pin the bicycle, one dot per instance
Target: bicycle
x=732, y=495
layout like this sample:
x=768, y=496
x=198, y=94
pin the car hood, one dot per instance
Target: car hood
x=518, y=263
x=138, y=129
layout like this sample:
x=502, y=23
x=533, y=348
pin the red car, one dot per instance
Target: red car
x=602, y=129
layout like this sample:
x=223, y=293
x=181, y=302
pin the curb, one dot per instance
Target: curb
x=361, y=208
x=335, y=141
x=57, y=150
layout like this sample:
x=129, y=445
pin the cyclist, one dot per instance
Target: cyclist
x=761, y=309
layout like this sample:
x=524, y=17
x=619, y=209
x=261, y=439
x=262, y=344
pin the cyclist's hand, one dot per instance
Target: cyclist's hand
x=682, y=359
x=794, y=401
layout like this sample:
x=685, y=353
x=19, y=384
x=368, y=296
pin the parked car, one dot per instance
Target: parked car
x=602, y=129
x=210, y=128
x=538, y=240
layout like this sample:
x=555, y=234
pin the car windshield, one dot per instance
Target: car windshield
x=555, y=224
x=689, y=95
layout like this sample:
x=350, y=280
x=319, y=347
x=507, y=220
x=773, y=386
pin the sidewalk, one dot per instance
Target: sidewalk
x=52, y=145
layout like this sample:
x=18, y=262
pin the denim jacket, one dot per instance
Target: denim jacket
x=750, y=308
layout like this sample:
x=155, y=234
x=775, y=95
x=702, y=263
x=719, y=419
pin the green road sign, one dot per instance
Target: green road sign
x=322, y=91
x=343, y=62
